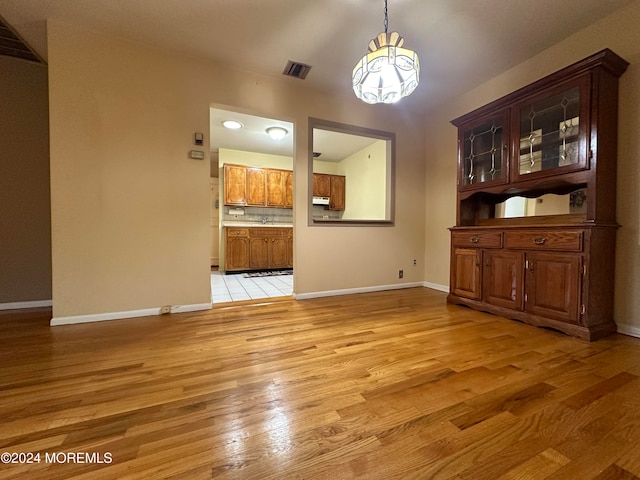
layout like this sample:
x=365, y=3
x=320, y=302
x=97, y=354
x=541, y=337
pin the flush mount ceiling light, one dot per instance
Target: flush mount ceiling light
x=388, y=72
x=277, y=133
x=232, y=124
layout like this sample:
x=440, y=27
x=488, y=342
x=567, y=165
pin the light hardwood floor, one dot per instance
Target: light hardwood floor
x=388, y=385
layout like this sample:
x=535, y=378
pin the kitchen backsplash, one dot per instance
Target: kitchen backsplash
x=256, y=214
x=273, y=215
x=320, y=212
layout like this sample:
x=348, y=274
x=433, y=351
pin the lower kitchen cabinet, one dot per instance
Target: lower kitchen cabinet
x=551, y=276
x=258, y=248
x=236, y=248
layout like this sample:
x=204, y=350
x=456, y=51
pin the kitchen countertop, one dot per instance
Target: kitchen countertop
x=234, y=223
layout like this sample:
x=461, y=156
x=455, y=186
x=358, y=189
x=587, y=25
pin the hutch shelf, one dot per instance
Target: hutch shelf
x=535, y=229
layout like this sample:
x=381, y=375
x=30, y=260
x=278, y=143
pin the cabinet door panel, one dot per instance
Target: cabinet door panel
x=552, y=131
x=275, y=188
x=554, y=285
x=467, y=269
x=237, y=253
x=288, y=190
x=235, y=185
x=483, y=152
x=278, y=253
x=503, y=279
x=321, y=185
x=290, y=251
x=256, y=186
x=338, y=193
x=259, y=252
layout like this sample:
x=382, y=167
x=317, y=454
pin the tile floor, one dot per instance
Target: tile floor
x=234, y=287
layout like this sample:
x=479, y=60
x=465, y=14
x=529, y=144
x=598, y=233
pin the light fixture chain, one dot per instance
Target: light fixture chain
x=386, y=17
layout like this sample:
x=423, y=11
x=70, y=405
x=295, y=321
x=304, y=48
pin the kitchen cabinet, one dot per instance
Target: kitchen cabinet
x=254, y=186
x=288, y=189
x=321, y=185
x=236, y=249
x=235, y=184
x=338, y=193
x=276, y=193
x=258, y=248
x=332, y=186
x=556, y=136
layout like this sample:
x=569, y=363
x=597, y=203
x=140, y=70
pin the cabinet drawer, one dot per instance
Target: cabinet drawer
x=484, y=239
x=567, y=240
x=269, y=232
x=237, y=232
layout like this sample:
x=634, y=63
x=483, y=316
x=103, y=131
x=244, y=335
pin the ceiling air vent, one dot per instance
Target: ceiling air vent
x=296, y=69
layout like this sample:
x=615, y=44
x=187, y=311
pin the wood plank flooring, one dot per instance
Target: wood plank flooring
x=387, y=385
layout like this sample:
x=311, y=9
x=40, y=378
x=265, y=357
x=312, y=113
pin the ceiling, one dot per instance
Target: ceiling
x=461, y=43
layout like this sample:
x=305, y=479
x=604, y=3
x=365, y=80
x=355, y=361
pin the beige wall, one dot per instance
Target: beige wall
x=130, y=210
x=618, y=32
x=366, y=184
x=25, y=245
x=253, y=159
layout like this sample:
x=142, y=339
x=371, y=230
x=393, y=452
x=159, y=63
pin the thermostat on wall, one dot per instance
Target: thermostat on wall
x=196, y=154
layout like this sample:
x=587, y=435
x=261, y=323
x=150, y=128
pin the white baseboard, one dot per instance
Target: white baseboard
x=100, y=317
x=627, y=329
x=29, y=304
x=436, y=286
x=349, y=291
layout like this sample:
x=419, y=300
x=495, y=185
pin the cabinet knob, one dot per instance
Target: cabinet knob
x=539, y=240
x=474, y=239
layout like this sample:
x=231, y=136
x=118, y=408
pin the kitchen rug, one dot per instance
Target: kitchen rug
x=267, y=273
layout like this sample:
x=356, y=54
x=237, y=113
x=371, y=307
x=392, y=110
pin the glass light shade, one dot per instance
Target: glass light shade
x=388, y=72
x=277, y=133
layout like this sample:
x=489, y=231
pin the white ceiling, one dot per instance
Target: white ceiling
x=461, y=43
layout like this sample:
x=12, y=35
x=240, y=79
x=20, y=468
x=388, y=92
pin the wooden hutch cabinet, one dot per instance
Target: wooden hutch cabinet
x=536, y=217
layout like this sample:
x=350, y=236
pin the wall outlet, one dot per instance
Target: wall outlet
x=400, y=273
x=165, y=309
x=415, y=262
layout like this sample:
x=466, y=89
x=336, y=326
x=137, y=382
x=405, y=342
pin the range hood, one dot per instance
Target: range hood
x=320, y=200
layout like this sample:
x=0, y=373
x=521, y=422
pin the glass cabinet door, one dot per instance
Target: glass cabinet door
x=552, y=133
x=482, y=152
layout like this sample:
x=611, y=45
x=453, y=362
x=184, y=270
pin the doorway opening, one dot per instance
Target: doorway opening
x=252, y=207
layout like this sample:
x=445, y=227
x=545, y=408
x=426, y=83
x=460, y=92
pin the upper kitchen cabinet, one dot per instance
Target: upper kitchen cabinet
x=256, y=186
x=235, y=184
x=276, y=188
x=288, y=189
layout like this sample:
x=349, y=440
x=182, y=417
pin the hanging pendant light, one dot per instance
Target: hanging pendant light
x=388, y=72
